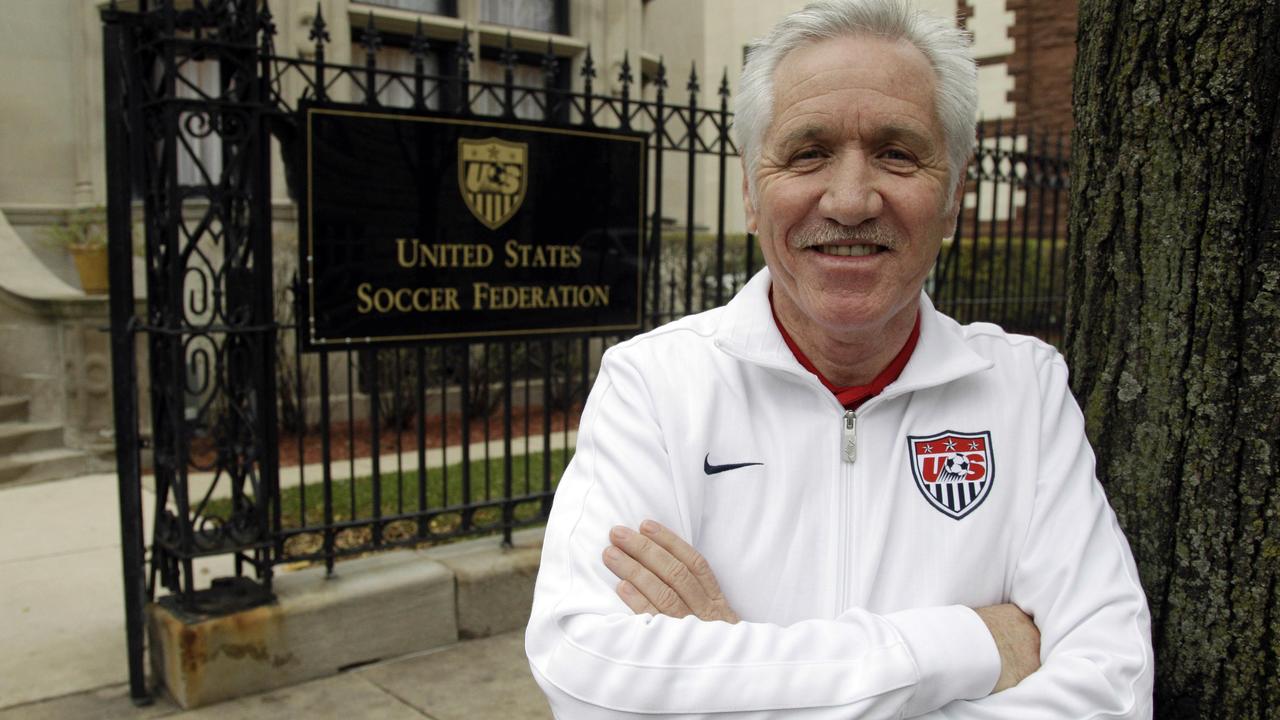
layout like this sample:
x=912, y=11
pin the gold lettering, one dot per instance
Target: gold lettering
x=412, y=259
x=475, y=178
x=364, y=303
x=540, y=256
x=385, y=300
x=536, y=297
x=431, y=255
x=511, y=180
x=411, y=252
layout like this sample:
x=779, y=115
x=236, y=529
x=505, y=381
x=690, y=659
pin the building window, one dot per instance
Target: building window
x=528, y=73
x=396, y=64
x=435, y=7
x=397, y=90
x=550, y=16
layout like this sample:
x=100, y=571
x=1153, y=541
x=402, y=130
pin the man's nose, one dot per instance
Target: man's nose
x=852, y=195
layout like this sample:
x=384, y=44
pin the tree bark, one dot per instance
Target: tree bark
x=1173, y=330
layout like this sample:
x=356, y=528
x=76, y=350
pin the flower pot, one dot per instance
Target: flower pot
x=91, y=263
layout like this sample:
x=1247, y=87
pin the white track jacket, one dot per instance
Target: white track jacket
x=855, y=545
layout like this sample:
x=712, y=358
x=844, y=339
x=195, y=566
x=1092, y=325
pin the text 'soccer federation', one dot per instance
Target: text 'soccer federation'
x=420, y=227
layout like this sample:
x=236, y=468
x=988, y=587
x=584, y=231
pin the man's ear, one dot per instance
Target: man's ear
x=957, y=197
x=747, y=204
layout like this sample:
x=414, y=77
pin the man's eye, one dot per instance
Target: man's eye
x=808, y=154
x=898, y=156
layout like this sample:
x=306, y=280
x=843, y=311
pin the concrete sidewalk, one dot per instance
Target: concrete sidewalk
x=486, y=678
x=63, y=642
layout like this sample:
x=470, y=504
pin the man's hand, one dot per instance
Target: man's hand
x=1017, y=639
x=662, y=574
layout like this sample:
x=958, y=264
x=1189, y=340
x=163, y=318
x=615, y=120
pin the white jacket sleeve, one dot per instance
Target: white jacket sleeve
x=594, y=658
x=1077, y=579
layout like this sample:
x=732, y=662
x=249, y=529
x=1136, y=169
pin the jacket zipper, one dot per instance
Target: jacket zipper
x=849, y=437
x=848, y=456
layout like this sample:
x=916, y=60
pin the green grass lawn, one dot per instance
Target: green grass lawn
x=302, y=507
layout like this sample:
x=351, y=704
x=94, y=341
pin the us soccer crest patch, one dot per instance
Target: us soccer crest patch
x=954, y=470
x=492, y=177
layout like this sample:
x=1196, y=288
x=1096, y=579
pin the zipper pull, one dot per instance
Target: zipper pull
x=850, y=436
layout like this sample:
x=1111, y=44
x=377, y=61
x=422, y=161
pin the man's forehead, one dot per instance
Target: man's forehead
x=873, y=128
x=887, y=83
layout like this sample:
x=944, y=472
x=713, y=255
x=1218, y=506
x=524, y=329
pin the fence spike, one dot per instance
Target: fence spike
x=418, y=44
x=508, y=55
x=372, y=39
x=589, y=66
x=463, y=51
x=588, y=75
x=265, y=18
x=693, y=78
x=266, y=23
x=624, y=76
x=660, y=80
x=724, y=84
x=319, y=30
x=550, y=64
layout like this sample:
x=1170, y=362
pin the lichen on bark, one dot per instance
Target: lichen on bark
x=1174, y=326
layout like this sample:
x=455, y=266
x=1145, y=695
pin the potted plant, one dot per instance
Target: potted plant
x=83, y=232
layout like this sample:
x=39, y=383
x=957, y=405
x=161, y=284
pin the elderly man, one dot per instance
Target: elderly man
x=827, y=500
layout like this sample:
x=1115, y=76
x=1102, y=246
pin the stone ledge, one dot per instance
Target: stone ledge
x=494, y=586
x=372, y=608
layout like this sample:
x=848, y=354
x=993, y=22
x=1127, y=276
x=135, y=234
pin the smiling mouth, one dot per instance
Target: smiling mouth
x=849, y=250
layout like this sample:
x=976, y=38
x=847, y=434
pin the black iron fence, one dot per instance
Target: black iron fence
x=1007, y=260
x=272, y=455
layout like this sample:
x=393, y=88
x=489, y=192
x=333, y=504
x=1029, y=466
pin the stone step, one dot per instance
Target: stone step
x=13, y=408
x=25, y=437
x=41, y=465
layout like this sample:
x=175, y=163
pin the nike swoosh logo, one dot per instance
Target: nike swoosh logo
x=710, y=469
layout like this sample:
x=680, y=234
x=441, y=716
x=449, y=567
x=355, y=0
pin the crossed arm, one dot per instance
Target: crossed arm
x=661, y=574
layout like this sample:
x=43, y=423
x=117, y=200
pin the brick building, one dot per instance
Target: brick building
x=1035, y=58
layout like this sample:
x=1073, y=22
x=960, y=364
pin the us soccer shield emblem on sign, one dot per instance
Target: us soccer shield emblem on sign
x=954, y=470
x=492, y=175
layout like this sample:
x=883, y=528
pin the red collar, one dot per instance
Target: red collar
x=853, y=396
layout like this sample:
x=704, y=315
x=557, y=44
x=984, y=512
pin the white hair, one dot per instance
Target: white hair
x=944, y=45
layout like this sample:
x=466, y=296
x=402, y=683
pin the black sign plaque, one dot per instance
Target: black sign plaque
x=419, y=227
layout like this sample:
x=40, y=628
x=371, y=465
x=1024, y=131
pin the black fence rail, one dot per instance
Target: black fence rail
x=1006, y=263
x=274, y=455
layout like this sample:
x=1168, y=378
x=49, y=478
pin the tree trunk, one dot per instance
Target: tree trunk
x=1173, y=328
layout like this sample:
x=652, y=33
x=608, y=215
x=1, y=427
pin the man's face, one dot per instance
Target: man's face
x=851, y=188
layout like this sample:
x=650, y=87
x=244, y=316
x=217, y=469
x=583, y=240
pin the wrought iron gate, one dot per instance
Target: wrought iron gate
x=223, y=365
x=460, y=438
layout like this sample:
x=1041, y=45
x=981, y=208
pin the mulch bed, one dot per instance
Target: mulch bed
x=344, y=437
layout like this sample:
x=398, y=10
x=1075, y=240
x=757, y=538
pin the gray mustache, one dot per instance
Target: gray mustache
x=831, y=233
